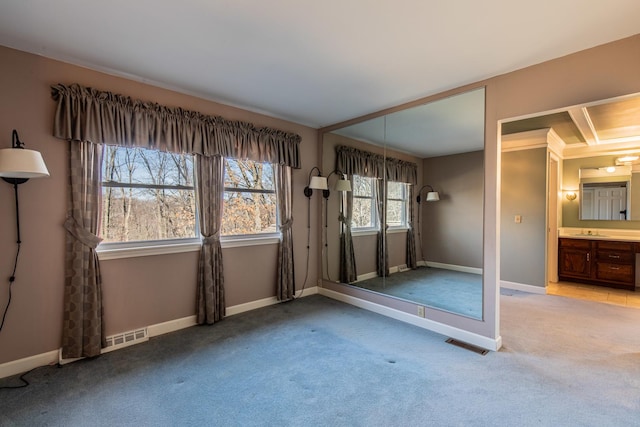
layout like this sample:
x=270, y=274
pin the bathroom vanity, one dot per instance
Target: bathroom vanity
x=598, y=260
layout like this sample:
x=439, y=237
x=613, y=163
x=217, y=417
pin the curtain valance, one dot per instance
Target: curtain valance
x=87, y=114
x=353, y=161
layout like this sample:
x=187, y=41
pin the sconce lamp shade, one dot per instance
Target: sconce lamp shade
x=22, y=163
x=433, y=196
x=571, y=195
x=343, y=185
x=318, y=183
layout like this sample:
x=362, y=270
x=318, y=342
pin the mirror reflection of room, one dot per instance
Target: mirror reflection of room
x=411, y=226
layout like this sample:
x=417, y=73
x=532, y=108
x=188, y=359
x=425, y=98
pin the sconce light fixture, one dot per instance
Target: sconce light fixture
x=315, y=182
x=342, y=185
x=629, y=158
x=432, y=195
x=571, y=195
x=17, y=166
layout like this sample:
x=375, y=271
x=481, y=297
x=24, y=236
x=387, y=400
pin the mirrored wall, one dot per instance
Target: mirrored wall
x=411, y=225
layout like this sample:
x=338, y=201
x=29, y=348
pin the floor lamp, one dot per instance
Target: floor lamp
x=17, y=166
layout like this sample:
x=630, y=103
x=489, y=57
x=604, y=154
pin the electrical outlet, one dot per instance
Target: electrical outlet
x=421, y=310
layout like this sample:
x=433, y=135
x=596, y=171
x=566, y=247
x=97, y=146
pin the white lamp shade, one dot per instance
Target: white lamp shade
x=343, y=185
x=21, y=163
x=433, y=196
x=318, y=183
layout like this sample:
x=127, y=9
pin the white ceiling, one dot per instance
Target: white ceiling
x=312, y=62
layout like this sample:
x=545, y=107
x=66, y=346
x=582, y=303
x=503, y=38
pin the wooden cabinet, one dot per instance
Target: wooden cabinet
x=575, y=258
x=599, y=262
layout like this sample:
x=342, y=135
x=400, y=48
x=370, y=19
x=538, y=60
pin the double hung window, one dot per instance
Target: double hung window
x=364, y=208
x=249, y=199
x=397, y=195
x=149, y=199
x=147, y=196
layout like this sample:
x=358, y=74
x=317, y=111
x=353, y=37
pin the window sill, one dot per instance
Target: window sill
x=175, y=248
x=139, y=251
x=397, y=230
x=365, y=232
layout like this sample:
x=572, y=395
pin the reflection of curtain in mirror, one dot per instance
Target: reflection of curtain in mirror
x=348, y=271
x=382, y=261
x=411, y=238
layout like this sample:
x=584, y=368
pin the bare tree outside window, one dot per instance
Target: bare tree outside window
x=363, y=202
x=396, y=204
x=147, y=195
x=249, y=198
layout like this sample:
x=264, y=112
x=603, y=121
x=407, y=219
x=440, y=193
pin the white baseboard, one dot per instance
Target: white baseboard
x=367, y=276
x=522, y=287
x=461, y=268
x=440, y=328
x=55, y=356
x=23, y=365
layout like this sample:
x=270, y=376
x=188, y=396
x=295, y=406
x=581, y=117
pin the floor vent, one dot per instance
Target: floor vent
x=126, y=339
x=466, y=346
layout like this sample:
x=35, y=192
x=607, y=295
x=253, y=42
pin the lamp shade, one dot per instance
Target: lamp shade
x=318, y=183
x=21, y=163
x=433, y=196
x=343, y=185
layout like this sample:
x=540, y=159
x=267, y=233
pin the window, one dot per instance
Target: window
x=147, y=195
x=249, y=198
x=364, y=210
x=396, y=204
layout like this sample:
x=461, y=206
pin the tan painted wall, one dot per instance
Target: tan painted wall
x=524, y=193
x=452, y=227
x=137, y=291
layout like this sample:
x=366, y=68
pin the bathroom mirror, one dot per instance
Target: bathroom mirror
x=392, y=161
x=605, y=193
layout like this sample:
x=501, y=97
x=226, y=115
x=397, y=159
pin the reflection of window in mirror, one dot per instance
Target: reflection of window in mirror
x=364, y=212
x=397, y=204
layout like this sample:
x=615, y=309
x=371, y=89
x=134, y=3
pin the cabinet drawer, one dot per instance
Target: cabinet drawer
x=575, y=243
x=616, y=256
x=621, y=273
x=615, y=246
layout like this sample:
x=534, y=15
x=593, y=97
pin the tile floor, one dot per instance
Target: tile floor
x=595, y=293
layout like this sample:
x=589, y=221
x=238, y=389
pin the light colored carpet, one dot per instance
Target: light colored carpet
x=318, y=362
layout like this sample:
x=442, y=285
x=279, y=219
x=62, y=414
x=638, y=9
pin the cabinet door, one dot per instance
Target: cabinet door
x=575, y=262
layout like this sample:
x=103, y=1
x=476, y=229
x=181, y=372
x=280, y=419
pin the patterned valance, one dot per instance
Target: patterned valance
x=87, y=114
x=353, y=161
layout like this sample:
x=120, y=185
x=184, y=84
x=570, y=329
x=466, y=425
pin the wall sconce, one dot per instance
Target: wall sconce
x=17, y=166
x=342, y=185
x=432, y=195
x=571, y=195
x=315, y=182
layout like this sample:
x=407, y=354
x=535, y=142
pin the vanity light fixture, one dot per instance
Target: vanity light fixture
x=17, y=166
x=571, y=195
x=342, y=185
x=432, y=195
x=315, y=182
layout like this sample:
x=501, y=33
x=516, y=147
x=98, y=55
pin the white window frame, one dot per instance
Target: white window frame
x=405, y=208
x=130, y=249
x=373, y=229
x=135, y=248
x=237, y=240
